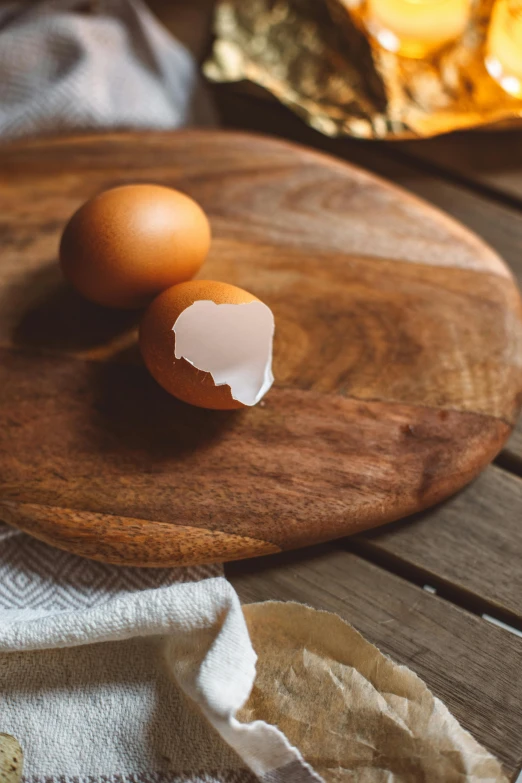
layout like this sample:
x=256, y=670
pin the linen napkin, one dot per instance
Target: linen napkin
x=93, y=659
x=70, y=65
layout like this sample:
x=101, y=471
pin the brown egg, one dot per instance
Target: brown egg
x=127, y=244
x=183, y=379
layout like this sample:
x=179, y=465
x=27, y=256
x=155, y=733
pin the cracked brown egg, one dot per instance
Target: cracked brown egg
x=125, y=245
x=209, y=344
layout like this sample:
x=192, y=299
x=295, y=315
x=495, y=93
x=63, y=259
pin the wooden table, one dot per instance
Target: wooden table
x=429, y=591
x=433, y=591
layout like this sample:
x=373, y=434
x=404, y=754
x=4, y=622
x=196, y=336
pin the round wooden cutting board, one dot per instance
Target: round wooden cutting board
x=397, y=360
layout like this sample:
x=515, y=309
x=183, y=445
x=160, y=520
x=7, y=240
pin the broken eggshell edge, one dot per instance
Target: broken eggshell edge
x=206, y=336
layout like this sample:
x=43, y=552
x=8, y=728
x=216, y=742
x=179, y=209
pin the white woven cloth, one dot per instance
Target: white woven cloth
x=93, y=662
x=76, y=65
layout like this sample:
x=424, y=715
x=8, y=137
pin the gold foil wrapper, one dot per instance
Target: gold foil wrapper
x=316, y=57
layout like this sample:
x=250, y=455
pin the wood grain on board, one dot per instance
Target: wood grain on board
x=497, y=222
x=467, y=662
x=397, y=358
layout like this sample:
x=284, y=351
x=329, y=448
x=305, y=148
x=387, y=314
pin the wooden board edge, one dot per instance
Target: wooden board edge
x=147, y=544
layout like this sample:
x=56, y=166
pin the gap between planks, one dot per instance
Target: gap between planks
x=434, y=584
x=457, y=548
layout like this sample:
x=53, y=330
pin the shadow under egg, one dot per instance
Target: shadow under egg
x=55, y=317
x=131, y=414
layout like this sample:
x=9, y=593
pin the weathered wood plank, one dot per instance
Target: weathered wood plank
x=467, y=662
x=490, y=160
x=472, y=543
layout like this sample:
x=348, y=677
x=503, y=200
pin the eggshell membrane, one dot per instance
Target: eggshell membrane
x=157, y=343
x=124, y=246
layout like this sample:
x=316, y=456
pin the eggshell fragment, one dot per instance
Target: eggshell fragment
x=209, y=344
x=124, y=246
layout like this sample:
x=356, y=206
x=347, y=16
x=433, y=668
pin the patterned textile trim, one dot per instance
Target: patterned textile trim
x=38, y=576
x=221, y=776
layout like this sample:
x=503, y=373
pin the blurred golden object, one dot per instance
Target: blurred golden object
x=504, y=46
x=416, y=28
x=316, y=57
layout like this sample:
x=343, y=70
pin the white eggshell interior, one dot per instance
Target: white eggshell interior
x=233, y=342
